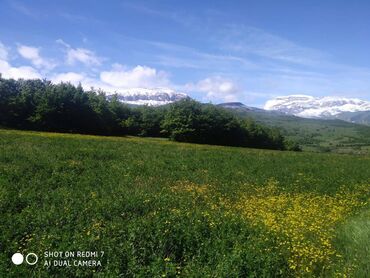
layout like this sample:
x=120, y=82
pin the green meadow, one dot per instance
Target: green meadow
x=157, y=208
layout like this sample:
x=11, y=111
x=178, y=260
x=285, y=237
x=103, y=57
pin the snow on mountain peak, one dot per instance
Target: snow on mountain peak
x=150, y=96
x=316, y=107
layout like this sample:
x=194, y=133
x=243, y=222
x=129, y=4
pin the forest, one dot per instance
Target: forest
x=43, y=106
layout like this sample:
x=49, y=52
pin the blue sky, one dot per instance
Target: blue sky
x=216, y=51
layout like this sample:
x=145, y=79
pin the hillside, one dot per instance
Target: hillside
x=159, y=208
x=362, y=117
x=314, y=134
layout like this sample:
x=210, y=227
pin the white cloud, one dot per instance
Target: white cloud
x=33, y=54
x=249, y=40
x=179, y=56
x=139, y=76
x=25, y=10
x=86, y=81
x=7, y=71
x=82, y=55
x=23, y=72
x=216, y=89
x=119, y=78
x=73, y=77
x=181, y=18
x=3, y=52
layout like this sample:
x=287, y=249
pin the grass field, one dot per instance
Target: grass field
x=317, y=135
x=163, y=209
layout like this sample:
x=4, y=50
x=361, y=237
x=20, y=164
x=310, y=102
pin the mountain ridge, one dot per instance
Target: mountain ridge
x=334, y=134
x=150, y=96
x=316, y=107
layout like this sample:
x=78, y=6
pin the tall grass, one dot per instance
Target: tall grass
x=353, y=241
x=158, y=208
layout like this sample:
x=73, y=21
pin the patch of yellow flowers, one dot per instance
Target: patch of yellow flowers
x=191, y=188
x=302, y=223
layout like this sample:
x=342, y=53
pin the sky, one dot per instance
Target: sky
x=215, y=51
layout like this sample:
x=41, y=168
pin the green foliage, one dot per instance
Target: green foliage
x=182, y=121
x=41, y=105
x=262, y=137
x=190, y=121
x=292, y=146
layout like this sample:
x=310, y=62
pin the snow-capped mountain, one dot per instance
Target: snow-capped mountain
x=316, y=107
x=152, y=97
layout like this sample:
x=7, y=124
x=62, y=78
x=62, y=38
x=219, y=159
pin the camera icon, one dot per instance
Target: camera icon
x=31, y=258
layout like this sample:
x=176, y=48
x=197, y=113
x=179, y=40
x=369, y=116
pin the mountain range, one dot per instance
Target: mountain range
x=313, y=134
x=151, y=97
x=348, y=109
x=317, y=124
x=326, y=108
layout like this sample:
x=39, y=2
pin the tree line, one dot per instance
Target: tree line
x=41, y=105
